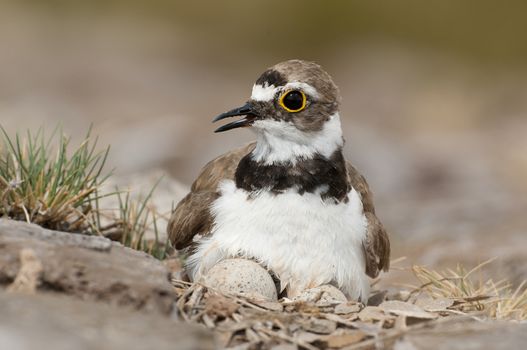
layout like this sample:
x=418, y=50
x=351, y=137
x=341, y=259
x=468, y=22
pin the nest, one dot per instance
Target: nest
x=322, y=322
x=318, y=323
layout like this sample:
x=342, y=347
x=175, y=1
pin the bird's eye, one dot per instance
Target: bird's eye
x=293, y=101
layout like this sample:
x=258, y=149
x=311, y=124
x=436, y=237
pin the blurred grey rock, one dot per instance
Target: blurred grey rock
x=88, y=267
x=9, y=228
x=45, y=321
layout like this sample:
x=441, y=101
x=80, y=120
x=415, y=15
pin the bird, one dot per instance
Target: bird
x=289, y=201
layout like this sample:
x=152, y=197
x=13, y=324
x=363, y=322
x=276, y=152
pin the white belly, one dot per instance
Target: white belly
x=307, y=242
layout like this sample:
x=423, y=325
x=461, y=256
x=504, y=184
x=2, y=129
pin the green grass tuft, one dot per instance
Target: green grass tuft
x=43, y=181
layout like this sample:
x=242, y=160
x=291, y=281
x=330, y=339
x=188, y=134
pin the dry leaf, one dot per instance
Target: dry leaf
x=369, y=328
x=340, y=320
x=232, y=326
x=439, y=304
x=209, y=323
x=270, y=305
x=321, y=326
x=285, y=347
x=372, y=313
x=252, y=336
x=406, y=309
x=307, y=337
x=347, y=308
x=223, y=338
x=220, y=306
x=344, y=338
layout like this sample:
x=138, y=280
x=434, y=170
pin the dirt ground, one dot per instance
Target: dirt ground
x=70, y=290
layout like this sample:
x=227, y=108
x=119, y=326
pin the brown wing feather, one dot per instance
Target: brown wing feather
x=377, y=244
x=192, y=214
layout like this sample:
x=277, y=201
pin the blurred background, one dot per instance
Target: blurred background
x=434, y=99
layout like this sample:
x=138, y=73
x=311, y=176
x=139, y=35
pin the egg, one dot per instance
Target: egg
x=241, y=277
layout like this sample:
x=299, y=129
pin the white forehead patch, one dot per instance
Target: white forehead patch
x=263, y=92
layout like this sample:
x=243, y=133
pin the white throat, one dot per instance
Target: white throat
x=280, y=141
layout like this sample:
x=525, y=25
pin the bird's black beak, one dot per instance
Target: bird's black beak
x=247, y=110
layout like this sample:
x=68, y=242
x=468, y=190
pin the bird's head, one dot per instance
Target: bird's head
x=294, y=110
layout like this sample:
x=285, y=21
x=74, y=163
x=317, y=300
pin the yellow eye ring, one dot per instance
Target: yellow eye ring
x=293, y=101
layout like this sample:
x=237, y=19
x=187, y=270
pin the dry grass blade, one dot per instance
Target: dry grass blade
x=497, y=299
x=512, y=305
x=136, y=218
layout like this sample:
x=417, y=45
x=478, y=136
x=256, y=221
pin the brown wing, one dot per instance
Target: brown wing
x=192, y=214
x=377, y=244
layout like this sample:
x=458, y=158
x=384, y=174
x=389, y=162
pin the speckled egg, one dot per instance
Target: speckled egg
x=241, y=277
x=323, y=293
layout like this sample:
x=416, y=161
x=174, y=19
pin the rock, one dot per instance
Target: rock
x=59, y=322
x=88, y=267
x=17, y=229
x=241, y=277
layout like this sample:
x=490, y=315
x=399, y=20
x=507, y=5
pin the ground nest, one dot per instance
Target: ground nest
x=318, y=323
